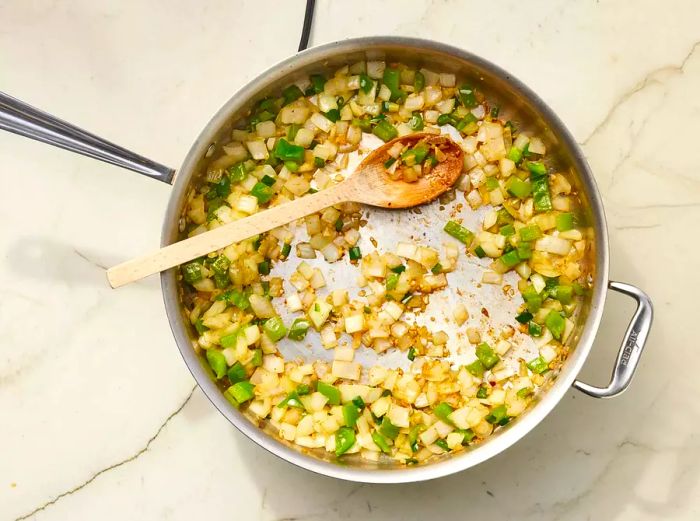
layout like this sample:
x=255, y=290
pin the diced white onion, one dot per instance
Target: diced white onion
x=266, y=129
x=491, y=277
x=257, y=149
x=261, y=306
x=348, y=370
x=354, y=323
x=305, y=251
x=321, y=122
x=553, y=244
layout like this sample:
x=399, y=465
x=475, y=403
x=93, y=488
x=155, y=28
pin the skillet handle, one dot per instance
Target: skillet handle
x=632, y=345
x=25, y=120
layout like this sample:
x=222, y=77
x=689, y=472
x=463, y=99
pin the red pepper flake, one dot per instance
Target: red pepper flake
x=485, y=312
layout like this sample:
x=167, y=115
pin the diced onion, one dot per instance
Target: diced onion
x=257, y=149
x=331, y=252
x=460, y=314
x=305, y=251
x=354, y=323
x=491, y=277
x=553, y=244
x=247, y=204
x=321, y=122
x=266, y=129
x=537, y=146
x=348, y=370
x=261, y=306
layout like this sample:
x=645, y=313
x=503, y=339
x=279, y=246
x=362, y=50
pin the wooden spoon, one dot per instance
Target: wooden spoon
x=369, y=184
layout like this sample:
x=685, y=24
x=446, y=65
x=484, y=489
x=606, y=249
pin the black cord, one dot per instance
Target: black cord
x=306, y=29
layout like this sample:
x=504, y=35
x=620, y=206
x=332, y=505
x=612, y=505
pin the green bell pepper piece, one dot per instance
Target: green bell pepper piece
x=366, y=83
x=524, y=250
x=518, y=188
x=388, y=429
x=536, y=168
x=274, y=328
x=257, y=358
x=381, y=442
x=192, y=272
x=236, y=373
x=413, y=436
x=200, y=327
x=291, y=93
x=329, y=391
x=263, y=192
x=392, y=79
x=286, y=151
x=237, y=172
x=217, y=362
x=565, y=221
x=221, y=265
x=350, y=414
x=532, y=299
x=359, y=402
x=365, y=124
x=344, y=440
x=524, y=317
x=242, y=391
x=391, y=281
x=515, y=155
x=418, y=82
x=510, y=259
x=563, y=294
x=468, y=435
x=538, y=365
x=555, y=323
x=491, y=183
x=486, y=355
x=235, y=297
x=534, y=329
x=530, y=233
x=230, y=340
x=476, y=368
x=416, y=122
x=443, y=411
x=411, y=355
x=318, y=82
x=498, y=415
x=385, y=131
x=507, y=230
x=299, y=328
x=467, y=96
x=442, y=444
x=459, y=232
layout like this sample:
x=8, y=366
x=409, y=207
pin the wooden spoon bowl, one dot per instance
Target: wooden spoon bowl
x=371, y=183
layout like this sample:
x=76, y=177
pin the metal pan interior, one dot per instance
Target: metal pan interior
x=423, y=225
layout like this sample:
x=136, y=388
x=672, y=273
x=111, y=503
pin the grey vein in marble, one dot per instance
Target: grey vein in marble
x=648, y=79
x=113, y=466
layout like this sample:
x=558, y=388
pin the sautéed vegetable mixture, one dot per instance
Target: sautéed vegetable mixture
x=300, y=142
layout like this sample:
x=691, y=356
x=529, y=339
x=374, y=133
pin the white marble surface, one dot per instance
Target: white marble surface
x=100, y=417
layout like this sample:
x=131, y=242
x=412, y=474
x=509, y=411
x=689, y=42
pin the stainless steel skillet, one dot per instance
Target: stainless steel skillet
x=520, y=105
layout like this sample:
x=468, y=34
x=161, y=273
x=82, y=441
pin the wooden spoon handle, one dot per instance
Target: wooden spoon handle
x=205, y=243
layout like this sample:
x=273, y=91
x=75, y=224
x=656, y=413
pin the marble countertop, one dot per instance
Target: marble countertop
x=100, y=417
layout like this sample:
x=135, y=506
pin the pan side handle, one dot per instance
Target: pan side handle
x=632, y=346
